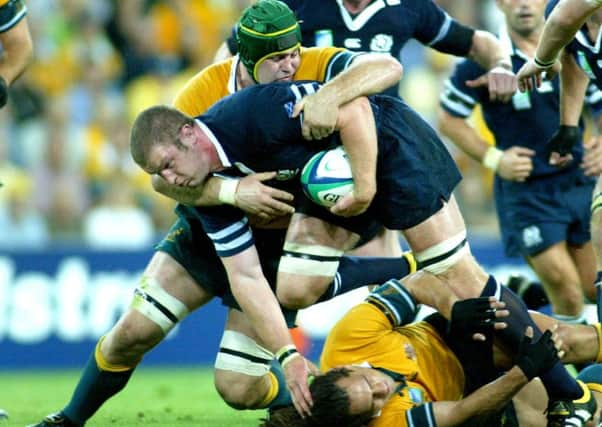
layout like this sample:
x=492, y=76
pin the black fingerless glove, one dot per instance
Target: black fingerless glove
x=563, y=140
x=470, y=316
x=536, y=357
x=3, y=92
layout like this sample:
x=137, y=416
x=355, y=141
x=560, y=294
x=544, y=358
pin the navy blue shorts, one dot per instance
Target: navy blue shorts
x=415, y=175
x=189, y=245
x=538, y=214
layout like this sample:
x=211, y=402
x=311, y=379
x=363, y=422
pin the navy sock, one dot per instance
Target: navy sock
x=355, y=272
x=95, y=387
x=558, y=382
x=283, y=398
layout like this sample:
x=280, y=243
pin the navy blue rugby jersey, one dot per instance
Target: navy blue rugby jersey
x=11, y=13
x=384, y=26
x=529, y=120
x=246, y=147
x=587, y=52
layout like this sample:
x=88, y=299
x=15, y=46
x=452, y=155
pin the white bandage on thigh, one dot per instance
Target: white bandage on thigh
x=437, y=259
x=239, y=353
x=151, y=300
x=309, y=260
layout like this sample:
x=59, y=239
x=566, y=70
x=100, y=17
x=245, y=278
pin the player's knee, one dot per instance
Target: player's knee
x=130, y=339
x=158, y=305
x=439, y=258
x=304, y=273
x=241, y=366
x=296, y=292
x=239, y=392
x=452, y=262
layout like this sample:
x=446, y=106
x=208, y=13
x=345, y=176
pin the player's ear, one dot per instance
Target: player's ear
x=187, y=134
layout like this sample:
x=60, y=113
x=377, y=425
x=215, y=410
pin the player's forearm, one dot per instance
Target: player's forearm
x=358, y=134
x=561, y=26
x=574, y=85
x=260, y=305
x=369, y=74
x=205, y=195
x=462, y=135
x=18, y=51
x=486, y=399
x=488, y=52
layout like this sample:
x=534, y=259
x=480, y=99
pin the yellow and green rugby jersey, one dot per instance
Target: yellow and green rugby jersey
x=417, y=351
x=11, y=12
x=219, y=80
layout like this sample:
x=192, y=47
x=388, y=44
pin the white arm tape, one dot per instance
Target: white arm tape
x=227, y=191
x=493, y=157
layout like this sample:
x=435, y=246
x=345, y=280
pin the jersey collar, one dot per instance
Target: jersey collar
x=583, y=39
x=354, y=24
x=232, y=83
x=218, y=147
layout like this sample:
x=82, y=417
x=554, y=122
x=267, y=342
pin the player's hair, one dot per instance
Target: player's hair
x=332, y=406
x=267, y=28
x=156, y=125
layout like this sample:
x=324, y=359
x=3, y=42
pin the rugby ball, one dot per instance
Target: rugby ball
x=326, y=177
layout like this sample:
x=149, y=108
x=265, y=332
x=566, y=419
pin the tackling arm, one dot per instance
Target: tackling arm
x=368, y=74
x=248, y=194
x=204, y=195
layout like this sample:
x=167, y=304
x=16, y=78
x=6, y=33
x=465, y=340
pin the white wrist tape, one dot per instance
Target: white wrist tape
x=493, y=157
x=227, y=191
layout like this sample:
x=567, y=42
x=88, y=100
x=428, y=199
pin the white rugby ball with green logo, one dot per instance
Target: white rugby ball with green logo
x=327, y=177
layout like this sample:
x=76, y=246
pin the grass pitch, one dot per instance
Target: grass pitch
x=178, y=397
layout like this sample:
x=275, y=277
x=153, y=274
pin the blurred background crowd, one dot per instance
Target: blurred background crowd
x=65, y=164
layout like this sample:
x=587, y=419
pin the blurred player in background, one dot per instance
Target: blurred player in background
x=575, y=24
x=17, y=47
x=543, y=211
x=17, y=53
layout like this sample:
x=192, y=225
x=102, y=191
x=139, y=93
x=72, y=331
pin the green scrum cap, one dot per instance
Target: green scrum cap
x=265, y=29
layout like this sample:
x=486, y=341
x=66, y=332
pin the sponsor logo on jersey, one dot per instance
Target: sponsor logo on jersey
x=286, y=174
x=324, y=38
x=532, y=236
x=381, y=43
x=416, y=395
x=289, y=107
x=584, y=65
x=352, y=43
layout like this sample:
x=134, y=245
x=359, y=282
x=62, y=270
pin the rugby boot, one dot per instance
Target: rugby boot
x=566, y=413
x=530, y=292
x=57, y=419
